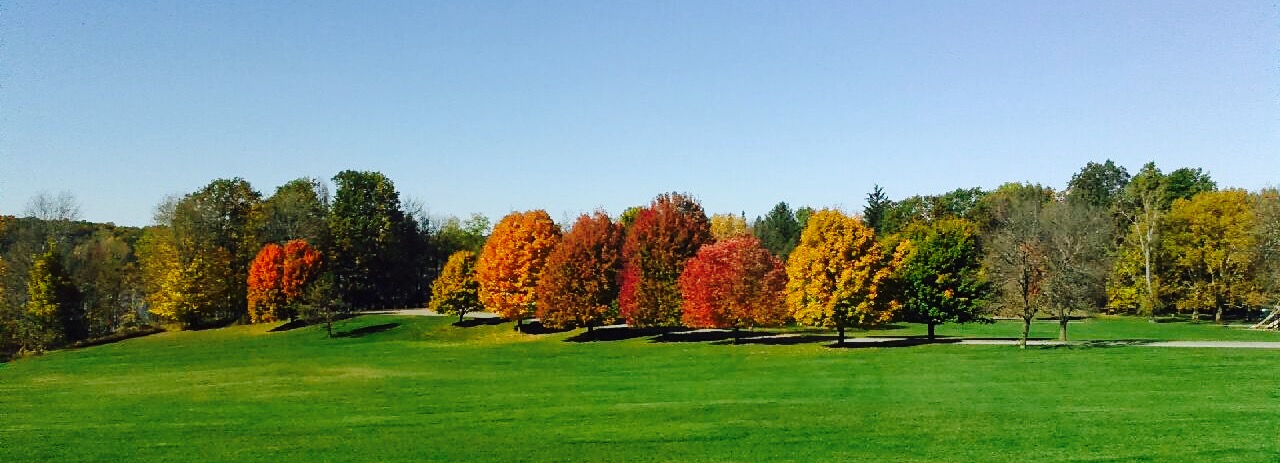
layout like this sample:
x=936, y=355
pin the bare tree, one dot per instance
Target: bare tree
x=1016, y=260
x=1077, y=236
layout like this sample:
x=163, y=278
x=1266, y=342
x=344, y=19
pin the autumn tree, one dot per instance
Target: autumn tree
x=456, y=291
x=579, y=284
x=266, y=299
x=725, y=226
x=1135, y=275
x=1214, y=241
x=663, y=237
x=512, y=260
x=1266, y=205
x=53, y=304
x=779, y=230
x=941, y=275
x=301, y=266
x=837, y=273
x=213, y=231
x=734, y=283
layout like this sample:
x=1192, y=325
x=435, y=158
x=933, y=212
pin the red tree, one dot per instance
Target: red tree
x=735, y=283
x=301, y=266
x=264, y=292
x=659, y=241
x=579, y=283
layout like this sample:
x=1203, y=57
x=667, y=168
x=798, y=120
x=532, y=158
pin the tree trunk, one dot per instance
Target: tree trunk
x=1062, y=328
x=840, y=336
x=519, y=324
x=1217, y=316
x=590, y=326
x=735, y=335
x=1026, y=331
x=460, y=314
x=1195, y=315
x=931, y=333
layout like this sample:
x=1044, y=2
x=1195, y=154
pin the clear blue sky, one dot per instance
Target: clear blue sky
x=474, y=106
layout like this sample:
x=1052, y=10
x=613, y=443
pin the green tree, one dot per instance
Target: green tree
x=53, y=304
x=297, y=210
x=1186, y=182
x=1098, y=185
x=878, y=204
x=941, y=276
x=778, y=231
x=373, y=244
x=1214, y=238
x=213, y=226
x=1135, y=275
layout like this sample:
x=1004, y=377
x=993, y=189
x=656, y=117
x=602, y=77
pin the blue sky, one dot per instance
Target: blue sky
x=474, y=106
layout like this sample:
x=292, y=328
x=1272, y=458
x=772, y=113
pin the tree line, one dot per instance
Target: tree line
x=1149, y=243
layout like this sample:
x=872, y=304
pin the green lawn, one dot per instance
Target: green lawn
x=418, y=389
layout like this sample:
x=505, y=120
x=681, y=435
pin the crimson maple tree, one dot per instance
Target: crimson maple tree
x=659, y=241
x=735, y=283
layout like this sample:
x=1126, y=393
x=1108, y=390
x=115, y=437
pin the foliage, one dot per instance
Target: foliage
x=725, y=226
x=837, y=273
x=1214, y=241
x=456, y=291
x=1266, y=204
x=663, y=236
x=1185, y=183
x=214, y=226
x=373, y=244
x=266, y=274
x=1135, y=282
x=454, y=235
x=734, y=283
x=1098, y=185
x=941, y=276
x=579, y=284
x=878, y=204
x=779, y=230
x=182, y=288
x=959, y=203
x=298, y=210
x=512, y=260
x=53, y=303
x=302, y=264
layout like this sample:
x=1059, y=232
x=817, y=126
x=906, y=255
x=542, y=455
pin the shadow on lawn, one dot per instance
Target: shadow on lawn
x=896, y=341
x=619, y=333
x=300, y=323
x=1101, y=344
x=366, y=330
x=536, y=327
x=479, y=321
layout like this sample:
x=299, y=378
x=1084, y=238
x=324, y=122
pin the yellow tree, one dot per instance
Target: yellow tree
x=1213, y=240
x=455, y=291
x=725, y=226
x=512, y=260
x=838, y=274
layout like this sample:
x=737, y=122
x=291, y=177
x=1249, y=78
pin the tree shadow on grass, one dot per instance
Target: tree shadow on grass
x=117, y=337
x=301, y=323
x=366, y=330
x=895, y=341
x=479, y=321
x=617, y=333
x=536, y=327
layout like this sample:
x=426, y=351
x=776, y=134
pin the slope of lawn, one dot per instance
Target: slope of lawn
x=1100, y=328
x=418, y=389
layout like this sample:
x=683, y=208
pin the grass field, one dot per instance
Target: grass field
x=418, y=389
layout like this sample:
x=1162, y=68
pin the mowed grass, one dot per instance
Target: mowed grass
x=418, y=389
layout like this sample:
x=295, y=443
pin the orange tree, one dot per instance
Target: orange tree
x=300, y=267
x=512, y=261
x=455, y=291
x=838, y=274
x=579, y=284
x=265, y=295
x=735, y=283
x=659, y=241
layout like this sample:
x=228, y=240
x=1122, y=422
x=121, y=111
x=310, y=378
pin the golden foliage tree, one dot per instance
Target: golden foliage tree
x=512, y=260
x=1212, y=238
x=838, y=273
x=725, y=226
x=455, y=291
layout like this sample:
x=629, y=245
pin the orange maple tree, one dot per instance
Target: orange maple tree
x=301, y=265
x=265, y=295
x=579, y=284
x=734, y=283
x=512, y=260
